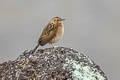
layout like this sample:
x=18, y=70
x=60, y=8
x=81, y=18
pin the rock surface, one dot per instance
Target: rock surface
x=59, y=63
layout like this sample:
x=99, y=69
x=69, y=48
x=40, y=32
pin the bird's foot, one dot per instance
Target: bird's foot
x=52, y=46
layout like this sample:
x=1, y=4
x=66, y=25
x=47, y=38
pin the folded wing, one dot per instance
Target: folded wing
x=47, y=34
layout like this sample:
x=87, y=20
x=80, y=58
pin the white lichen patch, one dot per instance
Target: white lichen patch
x=82, y=72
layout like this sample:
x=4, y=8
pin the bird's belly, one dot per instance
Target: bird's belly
x=59, y=35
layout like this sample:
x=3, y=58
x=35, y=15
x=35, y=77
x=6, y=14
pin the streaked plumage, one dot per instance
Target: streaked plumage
x=52, y=33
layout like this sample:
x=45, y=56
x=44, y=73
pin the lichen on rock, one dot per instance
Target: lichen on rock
x=59, y=63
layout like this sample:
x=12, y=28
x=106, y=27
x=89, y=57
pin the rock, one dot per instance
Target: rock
x=59, y=63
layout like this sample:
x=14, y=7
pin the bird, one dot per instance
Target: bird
x=52, y=33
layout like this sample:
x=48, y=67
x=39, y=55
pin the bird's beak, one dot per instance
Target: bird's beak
x=63, y=19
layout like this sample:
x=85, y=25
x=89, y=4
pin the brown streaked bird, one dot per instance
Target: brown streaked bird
x=52, y=33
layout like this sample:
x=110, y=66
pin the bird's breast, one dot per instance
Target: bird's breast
x=59, y=34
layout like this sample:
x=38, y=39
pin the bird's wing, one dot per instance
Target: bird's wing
x=47, y=34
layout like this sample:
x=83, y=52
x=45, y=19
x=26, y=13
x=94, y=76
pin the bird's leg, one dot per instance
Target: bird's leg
x=51, y=45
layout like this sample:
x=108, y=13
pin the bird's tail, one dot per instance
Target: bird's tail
x=35, y=48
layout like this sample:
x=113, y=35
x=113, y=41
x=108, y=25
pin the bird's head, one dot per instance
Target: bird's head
x=56, y=20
